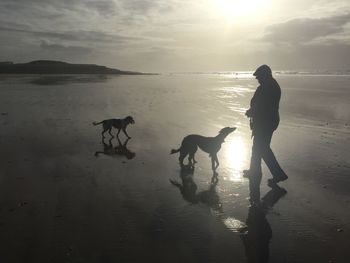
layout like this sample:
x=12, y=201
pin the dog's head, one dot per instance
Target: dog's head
x=226, y=131
x=129, y=120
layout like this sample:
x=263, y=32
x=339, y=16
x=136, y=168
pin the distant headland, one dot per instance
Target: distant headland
x=59, y=67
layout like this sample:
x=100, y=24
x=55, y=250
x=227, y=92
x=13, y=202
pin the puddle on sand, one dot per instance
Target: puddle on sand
x=234, y=224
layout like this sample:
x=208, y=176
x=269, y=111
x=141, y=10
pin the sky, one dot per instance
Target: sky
x=179, y=35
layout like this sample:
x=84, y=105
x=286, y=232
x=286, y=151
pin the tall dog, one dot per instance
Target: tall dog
x=209, y=145
x=119, y=124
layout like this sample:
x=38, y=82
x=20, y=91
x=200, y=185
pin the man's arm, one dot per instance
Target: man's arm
x=253, y=102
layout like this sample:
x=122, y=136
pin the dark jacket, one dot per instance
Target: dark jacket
x=264, y=106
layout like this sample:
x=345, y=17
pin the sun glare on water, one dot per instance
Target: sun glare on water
x=240, y=8
x=237, y=157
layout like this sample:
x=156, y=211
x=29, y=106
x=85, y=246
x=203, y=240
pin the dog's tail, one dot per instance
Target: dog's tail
x=174, y=183
x=97, y=123
x=175, y=150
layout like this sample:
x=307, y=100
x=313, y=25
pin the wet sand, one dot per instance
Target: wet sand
x=59, y=202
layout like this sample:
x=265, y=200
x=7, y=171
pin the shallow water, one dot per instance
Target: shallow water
x=59, y=202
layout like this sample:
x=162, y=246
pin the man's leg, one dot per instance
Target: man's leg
x=255, y=160
x=269, y=158
x=277, y=173
x=254, y=173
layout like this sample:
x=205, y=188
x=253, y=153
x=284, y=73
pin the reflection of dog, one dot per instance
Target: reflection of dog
x=210, y=145
x=188, y=189
x=119, y=124
x=120, y=150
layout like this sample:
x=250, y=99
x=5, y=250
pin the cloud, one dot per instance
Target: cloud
x=139, y=5
x=57, y=48
x=72, y=36
x=145, y=6
x=38, y=8
x=303, y=30
x=105, y=8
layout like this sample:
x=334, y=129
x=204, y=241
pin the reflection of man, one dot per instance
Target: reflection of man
x=257, y=238
x=264, y=120
x=258, y=233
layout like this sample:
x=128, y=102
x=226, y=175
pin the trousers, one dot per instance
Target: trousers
x=261, y=150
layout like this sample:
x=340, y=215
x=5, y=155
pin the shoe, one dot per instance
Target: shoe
x=254, y=201
x=281, y=178
x=248, y=174
x=272, y=182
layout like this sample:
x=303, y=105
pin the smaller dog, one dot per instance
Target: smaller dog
x=209, y=145
x=119, y=124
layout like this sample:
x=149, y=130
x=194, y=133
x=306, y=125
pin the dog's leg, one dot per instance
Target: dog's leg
x=191, y=158
x=194, y=160
x=213, y=163
x=216, y=160
x=109, y=131
x=181, y=158
x=127, y=135
x=103, y=132
x=192, y=151
x=125, y=143
x=118, y=133
x=110, y=145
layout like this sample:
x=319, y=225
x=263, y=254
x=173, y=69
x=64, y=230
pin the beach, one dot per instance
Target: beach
x=62, y=202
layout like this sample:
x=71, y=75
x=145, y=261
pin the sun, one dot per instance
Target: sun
x=240, y=8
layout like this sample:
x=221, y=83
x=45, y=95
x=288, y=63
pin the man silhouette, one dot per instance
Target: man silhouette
x=264, y=120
